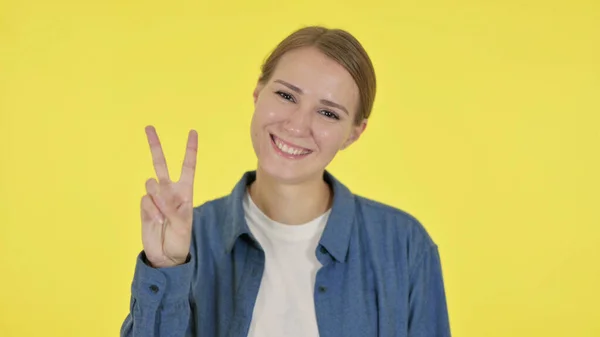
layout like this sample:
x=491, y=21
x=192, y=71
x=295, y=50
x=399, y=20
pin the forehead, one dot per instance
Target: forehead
x=317, y=74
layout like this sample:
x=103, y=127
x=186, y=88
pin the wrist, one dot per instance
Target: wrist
x=165, y=262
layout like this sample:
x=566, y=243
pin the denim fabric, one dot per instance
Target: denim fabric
x=381, y=275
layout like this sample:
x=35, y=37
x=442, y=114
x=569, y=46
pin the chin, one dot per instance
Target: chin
x=288, y=172
x=283, y=174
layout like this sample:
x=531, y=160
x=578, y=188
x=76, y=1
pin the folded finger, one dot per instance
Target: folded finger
x=151, y=213
x=152, y=186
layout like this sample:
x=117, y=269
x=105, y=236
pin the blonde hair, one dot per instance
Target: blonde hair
x=340, y=46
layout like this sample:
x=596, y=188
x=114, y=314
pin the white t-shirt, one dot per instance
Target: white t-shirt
x=285, y=302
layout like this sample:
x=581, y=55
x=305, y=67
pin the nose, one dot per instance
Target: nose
x=298, y=122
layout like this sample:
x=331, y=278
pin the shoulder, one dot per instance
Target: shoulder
x=393, y=227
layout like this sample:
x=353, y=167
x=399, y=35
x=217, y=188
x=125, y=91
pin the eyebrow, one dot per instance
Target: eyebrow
x=323, y=101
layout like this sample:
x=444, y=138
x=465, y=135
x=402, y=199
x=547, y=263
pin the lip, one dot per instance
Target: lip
x=285, y=154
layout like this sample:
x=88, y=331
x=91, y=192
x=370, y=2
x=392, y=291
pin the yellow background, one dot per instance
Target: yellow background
x=484, y=127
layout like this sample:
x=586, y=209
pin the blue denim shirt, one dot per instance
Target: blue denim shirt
x=381, y=275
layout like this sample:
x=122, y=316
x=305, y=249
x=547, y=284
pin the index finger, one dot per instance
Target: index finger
x=158, y=157
x=188, y=170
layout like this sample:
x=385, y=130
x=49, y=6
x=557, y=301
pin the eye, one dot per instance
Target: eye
x=329, y=114
x=286, y=96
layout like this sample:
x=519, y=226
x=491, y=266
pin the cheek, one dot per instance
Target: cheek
x=329, y=138
x=267, y=111
x=274, y=108
x=265, y=114
x=254, y=130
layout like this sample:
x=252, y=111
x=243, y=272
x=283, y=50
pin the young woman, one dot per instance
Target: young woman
x=291, y=251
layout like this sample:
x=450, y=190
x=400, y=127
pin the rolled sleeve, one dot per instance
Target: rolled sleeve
x=160, y=301
x=155, y=285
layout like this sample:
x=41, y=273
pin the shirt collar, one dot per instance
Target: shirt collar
x=336, y=235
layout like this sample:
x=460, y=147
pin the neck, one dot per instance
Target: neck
x=291, y=204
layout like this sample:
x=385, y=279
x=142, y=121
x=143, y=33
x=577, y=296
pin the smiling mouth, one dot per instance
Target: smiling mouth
x=288, y=150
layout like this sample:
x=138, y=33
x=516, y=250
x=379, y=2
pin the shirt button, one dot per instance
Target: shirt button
x=154, y=288
x=322, y=289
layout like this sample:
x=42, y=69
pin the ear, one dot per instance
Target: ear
x=257, y=90
x=355, y=133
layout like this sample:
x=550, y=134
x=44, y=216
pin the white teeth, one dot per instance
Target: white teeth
x=287, y=149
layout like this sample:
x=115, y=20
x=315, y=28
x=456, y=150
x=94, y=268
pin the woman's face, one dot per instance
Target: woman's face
x=303, y=116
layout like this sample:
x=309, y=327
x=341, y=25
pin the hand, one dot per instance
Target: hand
x=167, y=208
